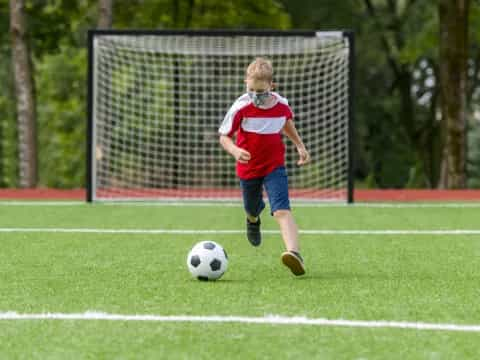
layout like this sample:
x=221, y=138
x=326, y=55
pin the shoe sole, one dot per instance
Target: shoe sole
x=255, y=244
x=293, y=263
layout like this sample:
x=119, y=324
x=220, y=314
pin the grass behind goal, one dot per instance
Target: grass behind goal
x=414, y=278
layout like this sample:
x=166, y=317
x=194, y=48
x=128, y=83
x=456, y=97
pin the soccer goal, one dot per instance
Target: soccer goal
x=156, y=100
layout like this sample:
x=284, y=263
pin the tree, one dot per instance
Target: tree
x=105, y=14
x=453, y=16
x=403, y=35
x=25, y=95
x=201, y=14
x=57, y=41
x=397, y=137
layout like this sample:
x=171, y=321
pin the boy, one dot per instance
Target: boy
x=259, y=117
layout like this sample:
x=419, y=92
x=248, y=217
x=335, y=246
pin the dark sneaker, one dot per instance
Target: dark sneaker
x=294, y=262
x=253, y=232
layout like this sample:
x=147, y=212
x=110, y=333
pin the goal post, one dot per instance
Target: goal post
x=157, y=98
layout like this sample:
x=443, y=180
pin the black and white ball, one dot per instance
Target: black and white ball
x=207, y=261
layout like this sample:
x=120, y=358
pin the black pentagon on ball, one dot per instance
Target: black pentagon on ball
x=202, y=278
x=209, y=245
x=226, y=256
x=195, y=260
x=215, y=264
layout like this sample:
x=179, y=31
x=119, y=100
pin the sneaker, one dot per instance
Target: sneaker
x=294, y=262
x=253, y=232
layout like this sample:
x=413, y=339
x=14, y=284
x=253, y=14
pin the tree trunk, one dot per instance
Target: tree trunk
x=25, y=95
x=105, y=14
x=453, y=90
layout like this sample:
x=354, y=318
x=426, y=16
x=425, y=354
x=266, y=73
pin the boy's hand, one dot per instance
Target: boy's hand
x=242, y=156
x=304, y=156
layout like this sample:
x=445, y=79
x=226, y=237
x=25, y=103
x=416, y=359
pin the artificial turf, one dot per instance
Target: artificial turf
x=412, y=278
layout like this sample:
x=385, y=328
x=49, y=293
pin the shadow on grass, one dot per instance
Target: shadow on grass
x=220, y=281
x=339, y=275
x=376, y=276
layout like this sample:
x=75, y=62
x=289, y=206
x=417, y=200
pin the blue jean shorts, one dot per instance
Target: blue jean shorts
x=276, y=186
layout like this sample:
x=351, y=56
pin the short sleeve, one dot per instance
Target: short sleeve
x=288, y=113
x=233, y=118
x=230, y=123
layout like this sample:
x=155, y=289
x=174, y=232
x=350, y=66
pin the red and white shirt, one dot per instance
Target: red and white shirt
x=259, y=131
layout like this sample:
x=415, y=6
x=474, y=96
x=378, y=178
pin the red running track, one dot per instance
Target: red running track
x=361, y=195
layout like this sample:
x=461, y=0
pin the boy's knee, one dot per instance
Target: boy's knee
x=279, y=214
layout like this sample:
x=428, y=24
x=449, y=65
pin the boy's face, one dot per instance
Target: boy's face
x=258, y=86
x=259, y=91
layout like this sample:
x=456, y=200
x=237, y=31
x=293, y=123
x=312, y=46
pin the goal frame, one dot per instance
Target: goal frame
x=92, y=33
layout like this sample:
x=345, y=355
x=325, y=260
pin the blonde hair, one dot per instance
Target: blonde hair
x=260, y=69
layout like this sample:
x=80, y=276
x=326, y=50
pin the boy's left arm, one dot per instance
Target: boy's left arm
x=292, y=133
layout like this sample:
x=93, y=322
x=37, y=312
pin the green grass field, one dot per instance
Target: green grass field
x=429, y=278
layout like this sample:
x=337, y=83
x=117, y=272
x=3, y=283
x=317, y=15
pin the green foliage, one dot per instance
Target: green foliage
x=473, y=128
x=385, y=154
x=57, y=31
x=200, y=14
x=56, y=23
x=473, y=159
x=61, y=117
x=8, y=133
x=323, y=15
x=474, y=26
x=421, y=34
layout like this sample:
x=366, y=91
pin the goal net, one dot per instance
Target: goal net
x=157, y=99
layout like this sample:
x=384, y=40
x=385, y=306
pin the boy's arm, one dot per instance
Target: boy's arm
x=292, y=133
x=241, y=155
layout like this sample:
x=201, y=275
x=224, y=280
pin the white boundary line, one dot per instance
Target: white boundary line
x=238, y=204
x=268, y=320
x=234, y=232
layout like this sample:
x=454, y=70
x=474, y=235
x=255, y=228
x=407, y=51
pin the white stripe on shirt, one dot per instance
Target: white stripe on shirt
x=227, y=122
x=264, y=125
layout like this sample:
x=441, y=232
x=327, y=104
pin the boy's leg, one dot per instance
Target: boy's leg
x=276, y=184
x=291, y=258
x=288, y=228
x=253, y=203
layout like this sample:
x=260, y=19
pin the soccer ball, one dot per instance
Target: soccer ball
x=207, y=261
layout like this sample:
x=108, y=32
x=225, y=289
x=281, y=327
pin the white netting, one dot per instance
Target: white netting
x=158, y=101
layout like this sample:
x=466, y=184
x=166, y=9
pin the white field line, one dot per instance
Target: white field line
x=267, y=320
x=234, y=232
x=238, y=204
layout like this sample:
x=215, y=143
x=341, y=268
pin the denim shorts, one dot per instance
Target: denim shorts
x=276, y=186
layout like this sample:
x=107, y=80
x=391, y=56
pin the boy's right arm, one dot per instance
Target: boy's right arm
x=241, y=155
